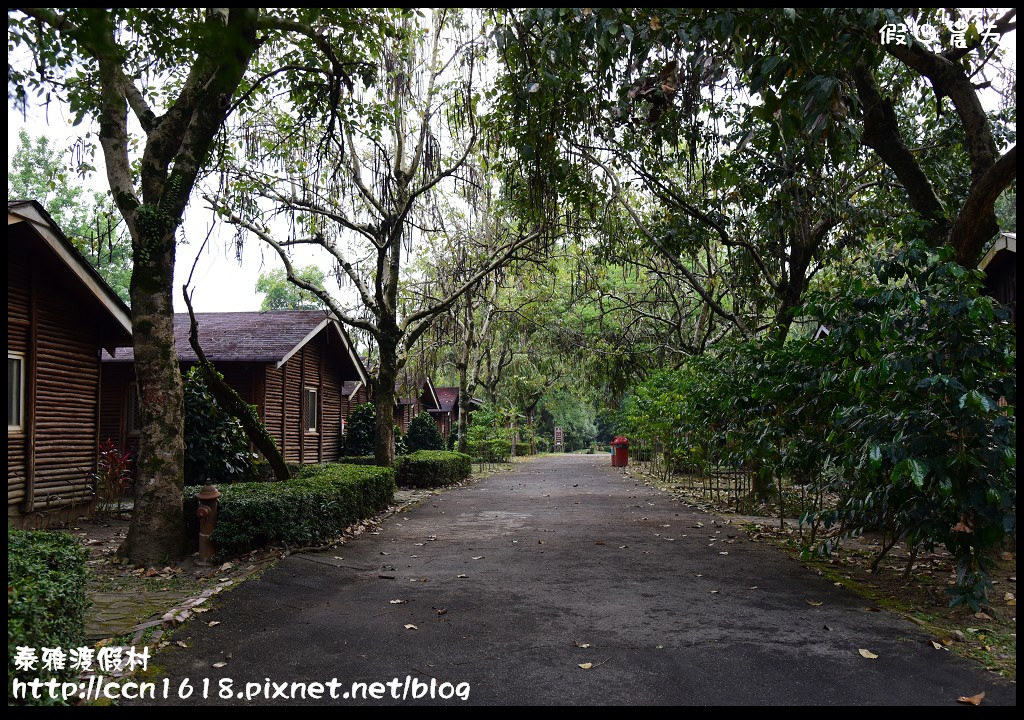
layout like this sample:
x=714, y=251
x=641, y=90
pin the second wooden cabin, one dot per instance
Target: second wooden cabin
x=297, y=367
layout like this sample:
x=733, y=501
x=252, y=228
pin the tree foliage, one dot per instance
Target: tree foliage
x=216, y=446
x=904, y=409
x=279, y=294
x=38, y=171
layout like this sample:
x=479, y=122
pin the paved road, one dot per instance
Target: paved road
x=564, y=552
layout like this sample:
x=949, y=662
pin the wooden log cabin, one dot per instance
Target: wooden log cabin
x=297, y=367
x=1000, y=266
x=445, y=410
x=60, y=313
x=411, y=399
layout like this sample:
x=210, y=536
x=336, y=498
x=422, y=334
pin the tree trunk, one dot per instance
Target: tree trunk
x=384, y=402
x=463, y=403
x=156, y=534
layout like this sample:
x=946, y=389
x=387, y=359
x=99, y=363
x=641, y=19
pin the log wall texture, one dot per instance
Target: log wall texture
x=50, y=462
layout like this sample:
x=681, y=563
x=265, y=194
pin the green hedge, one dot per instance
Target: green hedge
x=357, y=460
x=432, y=468
x=46, y=601
x=310, y=509
x=524, y=448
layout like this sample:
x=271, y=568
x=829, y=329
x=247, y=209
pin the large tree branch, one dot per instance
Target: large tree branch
x=663, y=249
x=415, y=324
x=232, y=402
x=882, y=134
x=976, y=221
x=949, y=79
x=296, y=279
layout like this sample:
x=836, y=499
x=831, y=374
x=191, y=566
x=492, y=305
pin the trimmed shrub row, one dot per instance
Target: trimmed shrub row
x=432, y=468
x=315, y=506
x=46, y=601
x=424, y=468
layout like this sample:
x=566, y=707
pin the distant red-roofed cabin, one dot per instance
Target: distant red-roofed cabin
x=60, y=312
x=297, y=367
x=446, y=411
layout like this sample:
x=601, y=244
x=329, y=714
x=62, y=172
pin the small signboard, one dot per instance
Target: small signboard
x=558, y=437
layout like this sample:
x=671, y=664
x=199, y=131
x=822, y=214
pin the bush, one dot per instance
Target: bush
x=46, y=601
x=524, y=448
x=489, y=439
x=310, y=509
x=543, y=444
x=433, y=468
x=423, y=434
x=362, y=428
x=216, y=446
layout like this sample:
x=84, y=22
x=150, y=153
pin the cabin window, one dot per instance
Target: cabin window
x=15, y=392
x=312, y=410
x=134, y=409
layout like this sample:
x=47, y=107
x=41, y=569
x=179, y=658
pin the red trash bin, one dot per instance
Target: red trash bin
x=620, y=452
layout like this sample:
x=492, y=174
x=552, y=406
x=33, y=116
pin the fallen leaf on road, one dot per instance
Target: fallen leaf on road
x=540, y=542
x=386, y=577
x=226, y=566
x=582, y=645
x=838, y=584
x=982, y=616
x=410, y=626
x=937, y=646
x=867, y=654
x=815, y=603
x=220, y=664
x=972, y=700
x=200, y=610
x=418, y=544
x=461, y=576
x=181, y=643
x=753, y=587
x=442, y=611
x=397, y=602
x=213, y=623
x=723, y=553
x=478, y=557
x=586, y=666
x=600, y=542
x=336, y=557
x=714, y=592
x=384, y=553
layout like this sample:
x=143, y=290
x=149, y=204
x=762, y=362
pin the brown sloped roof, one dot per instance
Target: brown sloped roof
x=24, y=214
x=264, y=336
x=446, y=398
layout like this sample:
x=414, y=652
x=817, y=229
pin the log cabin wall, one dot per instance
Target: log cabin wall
x=312, y=367
x=18, y=332
x=116, y=377
x=57, y=322
x=67, y=388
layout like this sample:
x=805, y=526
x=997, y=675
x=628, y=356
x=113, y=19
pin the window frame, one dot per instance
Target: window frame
x=19, y=427
x=306, y=391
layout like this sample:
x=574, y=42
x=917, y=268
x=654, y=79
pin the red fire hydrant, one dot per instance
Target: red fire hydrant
x=620, y=452
x=207, y=514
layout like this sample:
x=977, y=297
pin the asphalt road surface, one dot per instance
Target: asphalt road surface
x=512, y=583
